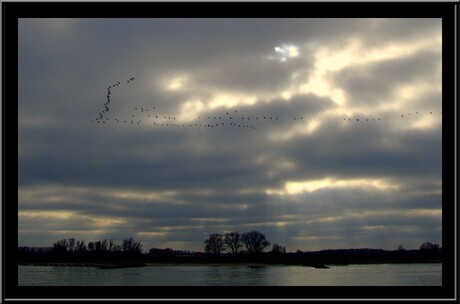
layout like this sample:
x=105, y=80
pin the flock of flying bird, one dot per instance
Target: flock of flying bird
x=101, y=117
x=228, y=119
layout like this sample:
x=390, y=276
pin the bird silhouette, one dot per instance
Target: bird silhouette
x=103, y=115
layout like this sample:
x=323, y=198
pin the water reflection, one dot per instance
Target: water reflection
x=234, y=275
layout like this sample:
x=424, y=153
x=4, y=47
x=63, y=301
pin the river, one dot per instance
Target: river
x=234, y=275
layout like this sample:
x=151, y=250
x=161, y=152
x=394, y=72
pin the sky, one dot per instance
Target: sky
x=319, y=133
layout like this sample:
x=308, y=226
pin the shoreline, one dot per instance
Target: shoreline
x=153, y=264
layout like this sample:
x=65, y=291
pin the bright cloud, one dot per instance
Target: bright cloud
x=285, y=52
x=295, y=188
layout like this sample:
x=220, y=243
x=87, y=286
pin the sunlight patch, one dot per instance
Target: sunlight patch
x=284, y=52
x=60, y=215
x=294, y=188
x=144, y=196
x=269, y=224
x=97, y=221
x=229, y=100
x=105, y=221
x=286, y=95
x=385, y=228
x=330, y=60
x=209, y=220
x=319, y=85
x=190, y=109
x=151, y=233
x=176, y=83
x=407, y=96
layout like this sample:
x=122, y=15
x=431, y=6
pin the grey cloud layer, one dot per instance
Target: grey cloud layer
x=63, y=77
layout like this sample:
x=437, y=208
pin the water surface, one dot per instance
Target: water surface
x=234, y=275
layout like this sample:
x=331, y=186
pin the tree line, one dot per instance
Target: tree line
x=71, y=245
x=78, y=248
x=252, y=242
x=228, y=247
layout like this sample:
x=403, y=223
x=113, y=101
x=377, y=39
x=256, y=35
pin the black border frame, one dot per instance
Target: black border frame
x=11, y=11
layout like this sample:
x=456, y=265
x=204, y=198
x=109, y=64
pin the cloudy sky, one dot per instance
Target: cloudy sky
x=319, y=133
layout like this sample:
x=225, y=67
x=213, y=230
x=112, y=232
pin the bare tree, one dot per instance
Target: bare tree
x=132, y=247
x=60, y=247
x=104, y=245
x=214, y=244
x=255, y=242
x=91, y=246
x=80, y=247
x=71, y=244
x=278, y=249
x=111, y=245
x=232, y=242
x=98, y=246
x=429, y=246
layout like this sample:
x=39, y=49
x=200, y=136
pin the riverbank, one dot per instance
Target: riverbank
x=309, y=259
x=250, y=265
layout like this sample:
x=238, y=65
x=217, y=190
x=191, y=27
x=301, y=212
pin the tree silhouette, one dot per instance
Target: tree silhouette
x=98, y=246
x=111, y=246
x=80, y=246
x=71, y=244
x=278, y=249
x=104, y=245
x=255, y=242
x=60, y=247
x=214, y=244
x=131, y=247
x=232, y=242
x=429, y=246
x=91, y=246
